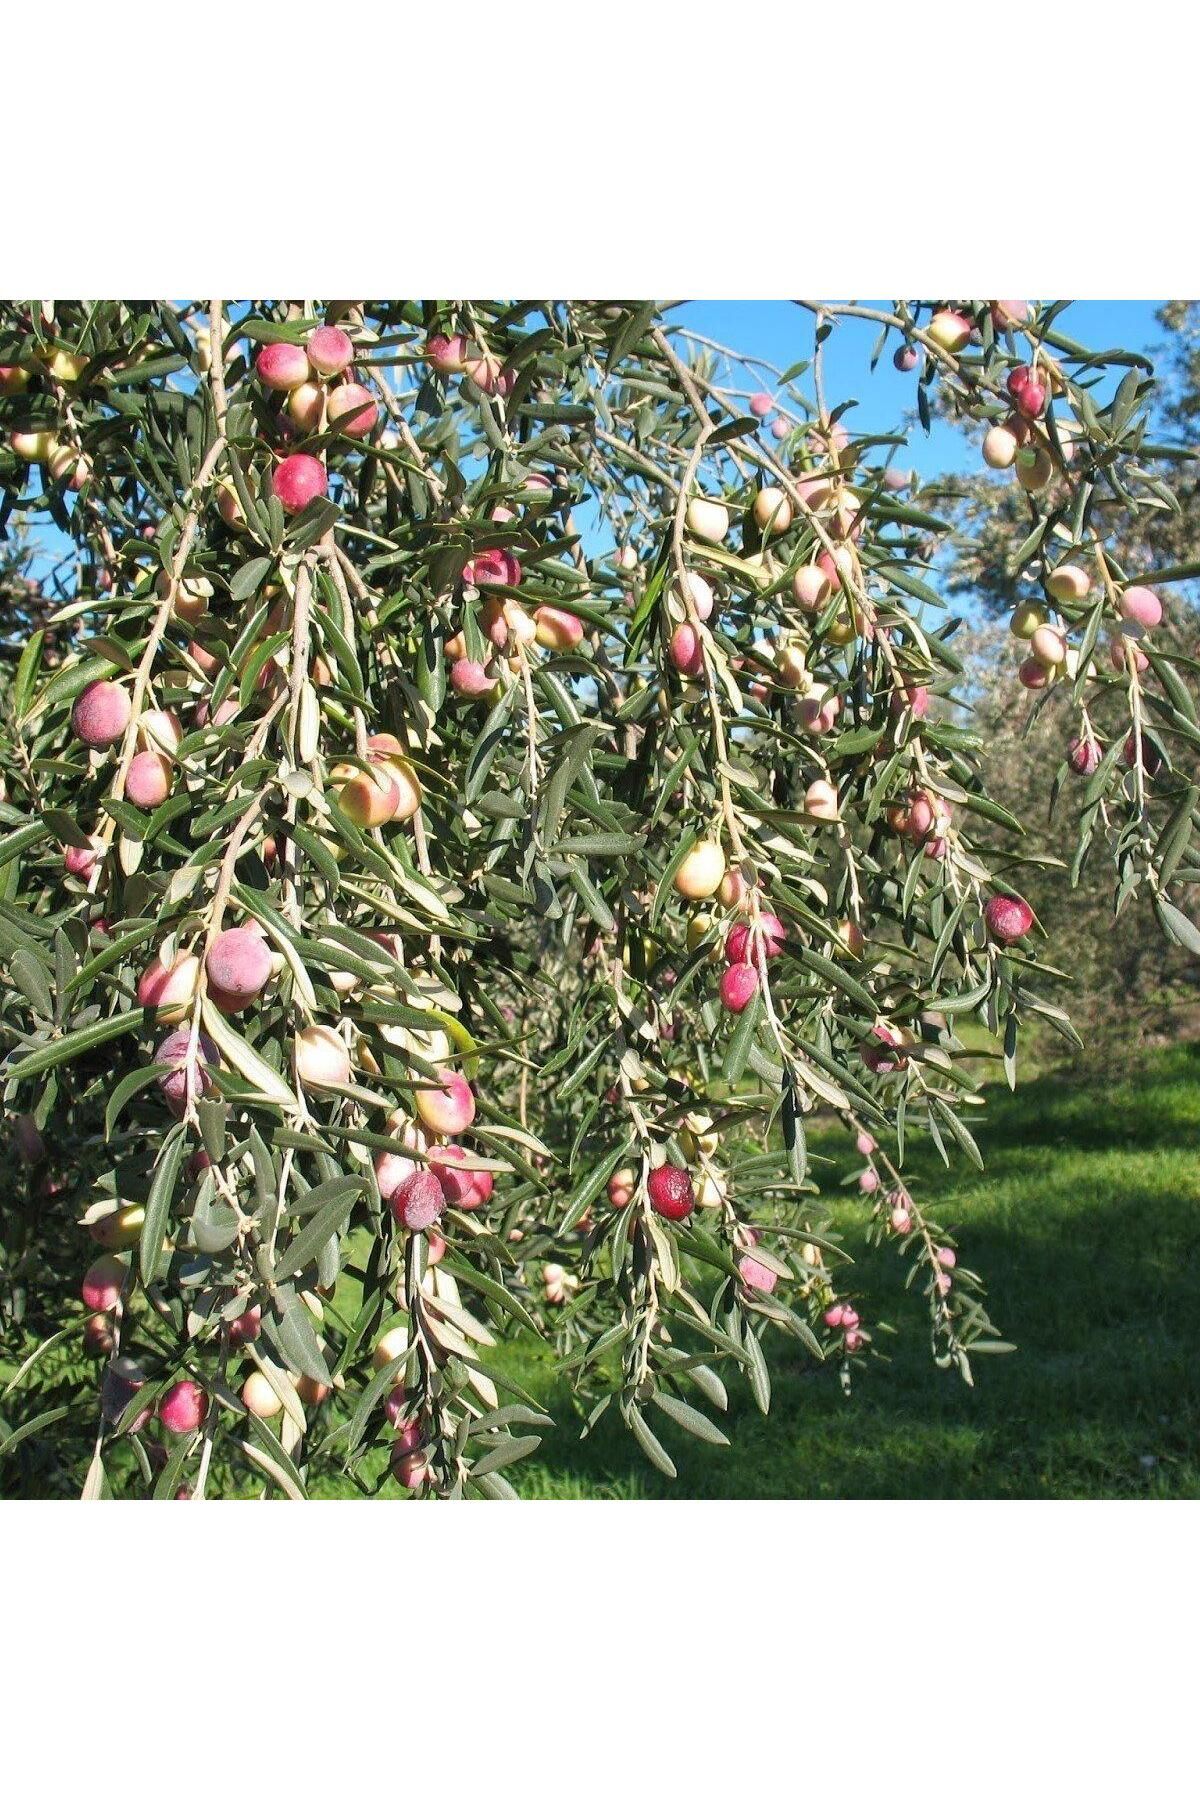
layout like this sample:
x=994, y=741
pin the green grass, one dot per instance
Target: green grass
x=1086, y=1228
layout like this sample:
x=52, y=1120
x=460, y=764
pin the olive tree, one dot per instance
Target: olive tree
x=503, y=768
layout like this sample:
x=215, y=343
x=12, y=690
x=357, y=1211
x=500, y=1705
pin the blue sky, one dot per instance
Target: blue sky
x=782, y=333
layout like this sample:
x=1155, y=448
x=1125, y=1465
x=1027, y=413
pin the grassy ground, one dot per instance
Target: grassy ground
x=1086, y=1227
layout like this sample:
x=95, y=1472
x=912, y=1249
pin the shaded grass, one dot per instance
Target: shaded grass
x=1086, y=1227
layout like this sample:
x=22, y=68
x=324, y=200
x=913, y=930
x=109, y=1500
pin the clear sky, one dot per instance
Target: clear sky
x=782, y=333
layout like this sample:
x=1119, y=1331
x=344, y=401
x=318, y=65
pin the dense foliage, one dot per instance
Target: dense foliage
x=493, y=774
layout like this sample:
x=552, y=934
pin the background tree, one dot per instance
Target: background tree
x=993, y=515
x=1129, y=983
x=1134, y=982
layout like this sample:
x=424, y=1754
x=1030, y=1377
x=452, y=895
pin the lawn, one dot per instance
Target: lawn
x=1086, y=1227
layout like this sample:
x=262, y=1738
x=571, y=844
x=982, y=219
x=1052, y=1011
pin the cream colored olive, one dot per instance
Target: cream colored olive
x=772, y=511
x=710, y=1189
x=33, y=446
x=321, y=1058
x=1000, y=448
x=259, y=1397
x=821, y=801
x=700, y=873
x=790, y=665
x=698, y=1134
x=1034, y=469
x=698, y=590
x=708, y=519
x=698, y=928
x=1049, y=646
x=392, y=1344
x=1068, y=582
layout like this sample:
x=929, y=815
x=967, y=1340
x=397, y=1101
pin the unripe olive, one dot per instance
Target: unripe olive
x=1067, y=582
x=1049, y=646
x=812, y=587
x=621, y=1188
x=321, y=1058
x=159, y=730
x=1026, y=619
x=306, y=405
x=259, y=1397
x=192, y=596
x=821, y=801
x=950, y=330
x=118, y=1229
x=392, y=1344
x=772, y=511
x=851, y=939
x=698, y=591
x=790, y=665
x=311, y=1391
x=66, y=464
x=701, y=871
x=1000, y=448
x=368, y=797
x=230, y=507
x=707, y=519
x=1034, y=468
x=698, y=928
x=710, y=1189
x=1009, y=313
x=557, y=629
x=33, y=446
x=699, y=1135
x=64, y=365
x=733, y=890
